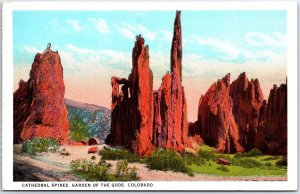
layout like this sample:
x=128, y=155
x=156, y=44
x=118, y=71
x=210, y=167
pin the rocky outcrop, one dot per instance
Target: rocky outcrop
x=170, y=118
x=132, y=107
x=247, y=98
x=93, y=141
x=275, y=122
x=217, y=123
x=39, y=107
x=143, y=118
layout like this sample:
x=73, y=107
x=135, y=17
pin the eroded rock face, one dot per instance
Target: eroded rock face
x=217, y=123
x=275, y=129
x=39, y=107
x=170, y=118
x=247, y=100
x=132, y=107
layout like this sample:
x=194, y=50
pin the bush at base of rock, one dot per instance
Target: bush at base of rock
x=92, y=171
x=223, y=168
x=38, y=144
x=118, y=154
x=282, y=162
x=251, y=153
x=167, y=160
x=64, y=152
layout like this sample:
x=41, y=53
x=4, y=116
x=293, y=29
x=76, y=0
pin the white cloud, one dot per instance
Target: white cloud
x=56, y=25
x=84, y=58
x=30, y=49
x=131, y=30
x=101, y=25
x=232, y=51
x=276, y=39
x=75, y=25
x=127, y=33
x=166, y=35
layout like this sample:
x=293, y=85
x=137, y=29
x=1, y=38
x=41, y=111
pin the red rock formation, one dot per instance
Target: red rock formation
x=217, y=123
x=247, y=100
x=132, y=112
x=223, y=161
x=39, y=107
x=78, y=143
x=94, y=141
x=93, y=150
x=170, y=119
x=275, y=128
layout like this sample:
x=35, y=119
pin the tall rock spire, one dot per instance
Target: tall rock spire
x=132, y=115
x=170, y=121
x=39, y=106
x=176, y=49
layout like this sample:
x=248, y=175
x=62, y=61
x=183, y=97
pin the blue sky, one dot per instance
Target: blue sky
x=95, y=45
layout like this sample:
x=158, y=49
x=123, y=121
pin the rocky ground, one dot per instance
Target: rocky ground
x=55, y=167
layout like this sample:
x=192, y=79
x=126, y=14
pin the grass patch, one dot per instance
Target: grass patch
x=237, y=170
x=92, y=171
x=252, y=153
x=223, y=168
x=167, y=160
x=38, y=144
x=247, y=163
x=118, y=154
x=282, y=162
x=251, y=163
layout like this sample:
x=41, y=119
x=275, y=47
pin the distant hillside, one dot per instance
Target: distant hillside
x=97, y=118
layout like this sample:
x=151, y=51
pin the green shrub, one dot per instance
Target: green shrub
x=118, y=154
x=79, y=129
x=198, y=160
x=167, y=160
x=223, y=168
x=93, y=157
x=38, y=144
x=252, y=153
x=282, y=162
x=268, y=165
x=124, y=173
x=92, y=171
x=206, y=154
x=271, y=158
x=247, y=163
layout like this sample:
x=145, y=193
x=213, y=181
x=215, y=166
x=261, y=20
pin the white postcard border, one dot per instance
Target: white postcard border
x=7, y=90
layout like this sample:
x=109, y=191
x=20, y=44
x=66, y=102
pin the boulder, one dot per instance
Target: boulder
x=94, y=141
x=78, y=143
x=223, y=161
x=93, y=150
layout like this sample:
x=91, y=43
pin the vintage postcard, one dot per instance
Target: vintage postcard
x=149, y=95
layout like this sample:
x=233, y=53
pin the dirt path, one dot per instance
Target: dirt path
x=55, y=167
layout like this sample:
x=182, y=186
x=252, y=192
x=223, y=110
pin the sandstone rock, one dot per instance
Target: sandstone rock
x=94, y=141
x=247, y=100
x=132, y=111
x=217, y=123
x=39, y=107
x=191, y=151
x=275, y=129
x=223, y=161
x=93, y=150
x=78, y=143
x=170, y=114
